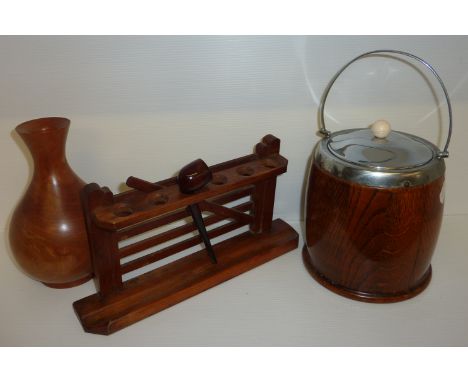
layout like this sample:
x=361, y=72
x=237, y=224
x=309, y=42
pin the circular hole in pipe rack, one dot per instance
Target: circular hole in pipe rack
x=157, y=198
x=219, y=179
x=122, y=210
x=245, y=171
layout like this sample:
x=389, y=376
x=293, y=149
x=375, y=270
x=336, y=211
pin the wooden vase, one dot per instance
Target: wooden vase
x=369, y=243
x=47, y=230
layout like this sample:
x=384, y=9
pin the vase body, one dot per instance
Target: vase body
x=47, y=231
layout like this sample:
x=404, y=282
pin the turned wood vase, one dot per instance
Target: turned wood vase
x=47, y=229
x=375, y=199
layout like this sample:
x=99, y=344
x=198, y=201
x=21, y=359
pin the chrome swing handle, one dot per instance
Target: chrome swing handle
x=441, y=154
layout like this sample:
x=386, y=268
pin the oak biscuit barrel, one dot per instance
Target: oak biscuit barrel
x=374, y=208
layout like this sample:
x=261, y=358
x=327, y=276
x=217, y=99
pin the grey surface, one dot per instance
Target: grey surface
x=275, y=304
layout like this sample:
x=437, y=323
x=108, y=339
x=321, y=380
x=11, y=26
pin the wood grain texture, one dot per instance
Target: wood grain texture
x=371, y=244
x=111, y=218
x=152, y=292
x=133, y=207
x=47, y=230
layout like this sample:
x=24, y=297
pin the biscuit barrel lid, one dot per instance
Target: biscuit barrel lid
x=378, y=147
x=379, y=156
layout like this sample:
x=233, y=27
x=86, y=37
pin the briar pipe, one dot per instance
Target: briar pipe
x=193, y=177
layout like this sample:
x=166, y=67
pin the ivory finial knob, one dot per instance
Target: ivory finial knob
x=381, y=128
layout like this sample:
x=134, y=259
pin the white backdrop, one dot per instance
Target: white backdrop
x=147, y=105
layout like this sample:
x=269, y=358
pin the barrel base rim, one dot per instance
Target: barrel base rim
x=364, y=296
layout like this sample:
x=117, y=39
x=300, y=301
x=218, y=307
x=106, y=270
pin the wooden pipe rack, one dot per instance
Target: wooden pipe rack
x=111, y=219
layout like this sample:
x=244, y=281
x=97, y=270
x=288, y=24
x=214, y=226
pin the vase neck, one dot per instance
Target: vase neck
x=46, y=140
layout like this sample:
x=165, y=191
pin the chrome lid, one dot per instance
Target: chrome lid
x=378, y=157
x=393, y=161
x=440, y=153
x=396, y=151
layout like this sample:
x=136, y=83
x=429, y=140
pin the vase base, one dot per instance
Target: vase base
x=69, y=284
